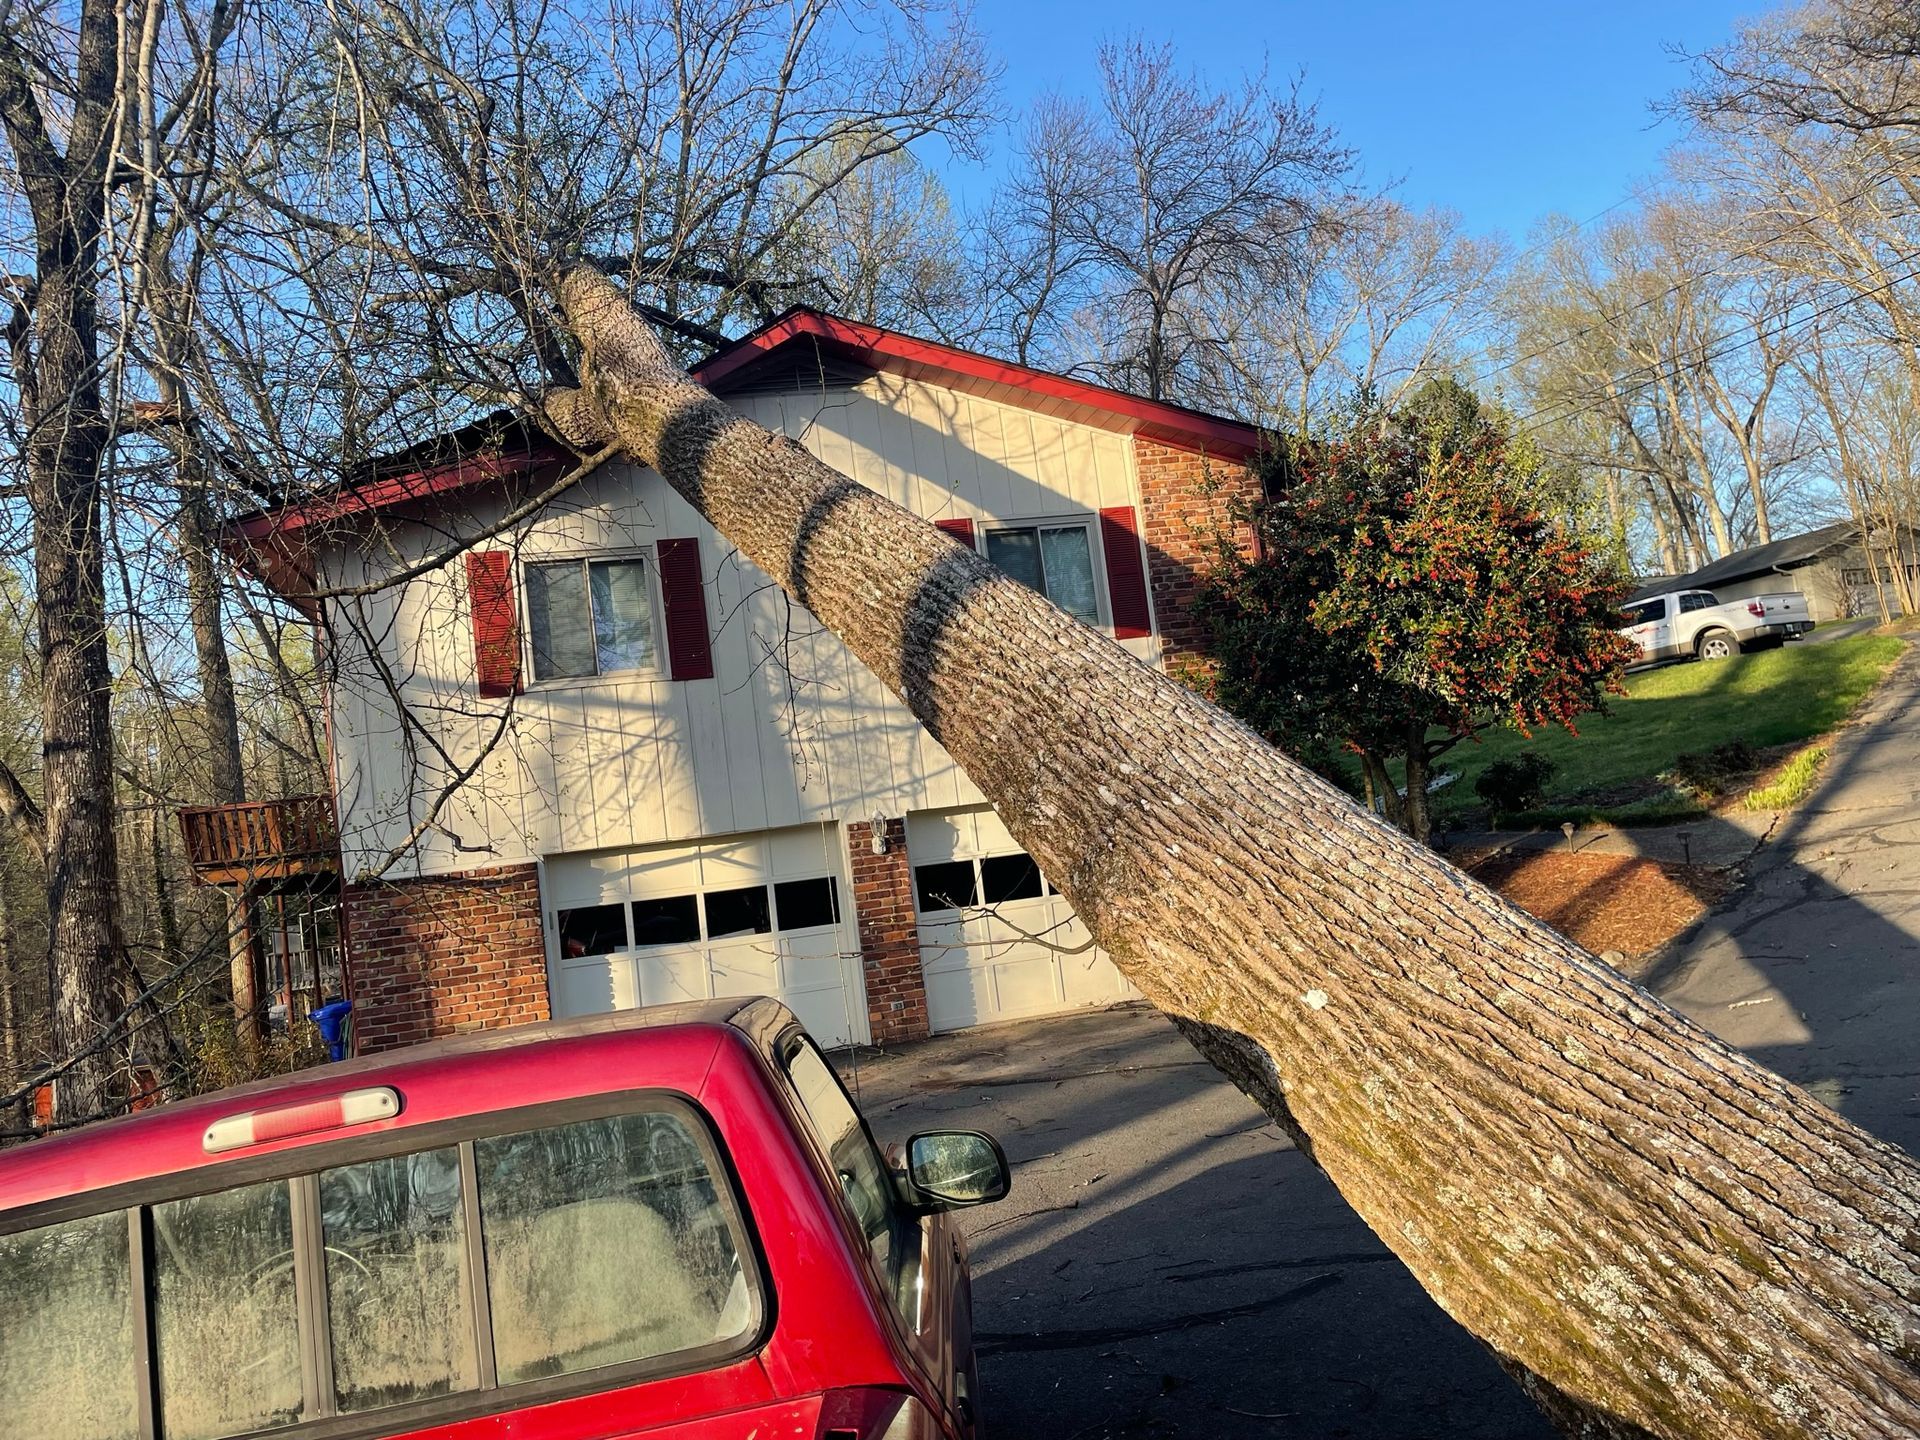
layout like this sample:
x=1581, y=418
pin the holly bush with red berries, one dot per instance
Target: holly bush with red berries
x=1415, y=584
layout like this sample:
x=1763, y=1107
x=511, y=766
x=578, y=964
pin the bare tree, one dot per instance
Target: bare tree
x=1132, y=207
x=1376, y=298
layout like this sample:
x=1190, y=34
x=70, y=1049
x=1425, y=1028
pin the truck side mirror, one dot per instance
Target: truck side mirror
x=953, y=1168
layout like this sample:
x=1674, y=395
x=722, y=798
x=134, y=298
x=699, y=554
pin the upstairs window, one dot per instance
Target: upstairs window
x=590, y=617
x=1056, y=560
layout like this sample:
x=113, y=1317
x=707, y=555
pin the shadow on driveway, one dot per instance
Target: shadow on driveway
x=1168, y=1265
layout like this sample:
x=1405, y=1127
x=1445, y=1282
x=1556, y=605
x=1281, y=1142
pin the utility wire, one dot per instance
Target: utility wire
x=1544, y=416
x=1750, y=251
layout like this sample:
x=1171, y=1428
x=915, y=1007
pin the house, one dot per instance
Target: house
x=1828, y=566
x=585, y=756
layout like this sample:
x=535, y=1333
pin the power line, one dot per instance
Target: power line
x=1711, y=353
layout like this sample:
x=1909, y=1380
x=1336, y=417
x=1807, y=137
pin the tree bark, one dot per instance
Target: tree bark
x=1419, y=814
x=57, y=374
x=1657, y=1234
x=226, y=782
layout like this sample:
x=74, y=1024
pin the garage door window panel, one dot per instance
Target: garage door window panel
x=1010, y=877
x=945, y=885
x=593, y=930
x=806, y=904
x=743, y=911
x=674, y=920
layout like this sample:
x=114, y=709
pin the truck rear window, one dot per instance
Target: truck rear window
x=66, y=1331
x=422, y=1279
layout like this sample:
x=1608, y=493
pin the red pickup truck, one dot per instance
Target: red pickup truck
x=667, y=1223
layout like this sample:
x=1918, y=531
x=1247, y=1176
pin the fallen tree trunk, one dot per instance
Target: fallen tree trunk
x=1656, y=1235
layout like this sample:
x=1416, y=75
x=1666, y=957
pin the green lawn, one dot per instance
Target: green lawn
x=1772, y=698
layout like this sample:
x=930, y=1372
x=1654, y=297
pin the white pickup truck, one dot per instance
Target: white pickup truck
x=1693, y=624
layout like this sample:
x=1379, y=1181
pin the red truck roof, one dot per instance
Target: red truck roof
x=464, y=1075
x=824, y=1327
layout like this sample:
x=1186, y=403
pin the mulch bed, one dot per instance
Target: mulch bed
x=1605, y=902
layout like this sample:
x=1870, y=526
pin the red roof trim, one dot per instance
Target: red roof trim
x=275, y=545
x=541, y=462
x=892, y=352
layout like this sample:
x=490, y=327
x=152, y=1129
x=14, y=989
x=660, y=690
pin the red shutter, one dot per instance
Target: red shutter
x=961, y=530
x=496, y=636
x=1126, y=577
x=689, y=647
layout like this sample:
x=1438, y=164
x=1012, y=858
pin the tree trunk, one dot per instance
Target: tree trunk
x=56, y=371
x=1419, y=815
x=226, y=782
x=1657, y=1234
x=64, y=454
x=10, y=1067
x=1380, y=783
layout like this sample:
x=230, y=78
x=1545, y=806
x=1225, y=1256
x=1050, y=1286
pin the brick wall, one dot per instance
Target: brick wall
x=889, y=941
x=1185, y=498
x=443, y=955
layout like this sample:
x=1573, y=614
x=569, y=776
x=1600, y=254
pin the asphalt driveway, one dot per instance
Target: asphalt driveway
x=1813, y=967
x=1167, y=1264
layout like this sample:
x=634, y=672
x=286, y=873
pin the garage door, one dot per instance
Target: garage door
x=749, y=915
x=996, y=940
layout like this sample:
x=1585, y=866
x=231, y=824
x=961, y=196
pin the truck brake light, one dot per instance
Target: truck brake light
x=1756, y=609
x=257, y=1127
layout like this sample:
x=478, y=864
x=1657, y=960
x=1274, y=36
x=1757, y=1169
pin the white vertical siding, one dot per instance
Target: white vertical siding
x=791, y=730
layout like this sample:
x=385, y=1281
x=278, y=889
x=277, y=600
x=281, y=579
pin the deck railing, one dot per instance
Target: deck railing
x=261, y=840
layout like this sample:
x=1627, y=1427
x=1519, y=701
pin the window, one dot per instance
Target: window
x=606, y=1241
x=224, y=1315
x=945, y=885
x=805, y=904
x=864, y=1179
x=1697, y=600
x=589, y=617
x=1645, y=612
x=1010, y=877
x=66, y=1312
x=397, y=1295
x=672, y=921
x=994, y=880
x=593, y=930
x=737, y=912
x=1056, y=560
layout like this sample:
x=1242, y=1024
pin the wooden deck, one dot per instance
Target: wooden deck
x=262, y=841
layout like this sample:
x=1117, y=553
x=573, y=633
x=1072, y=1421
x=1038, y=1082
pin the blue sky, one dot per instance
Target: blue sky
x=1504, y=110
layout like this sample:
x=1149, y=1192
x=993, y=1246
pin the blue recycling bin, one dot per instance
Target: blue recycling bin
x=332, y=1019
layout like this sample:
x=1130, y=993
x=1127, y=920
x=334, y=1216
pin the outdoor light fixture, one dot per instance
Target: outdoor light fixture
x=879, y=824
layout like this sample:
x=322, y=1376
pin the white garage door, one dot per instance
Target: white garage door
x=997, y=942
x=750, y=915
